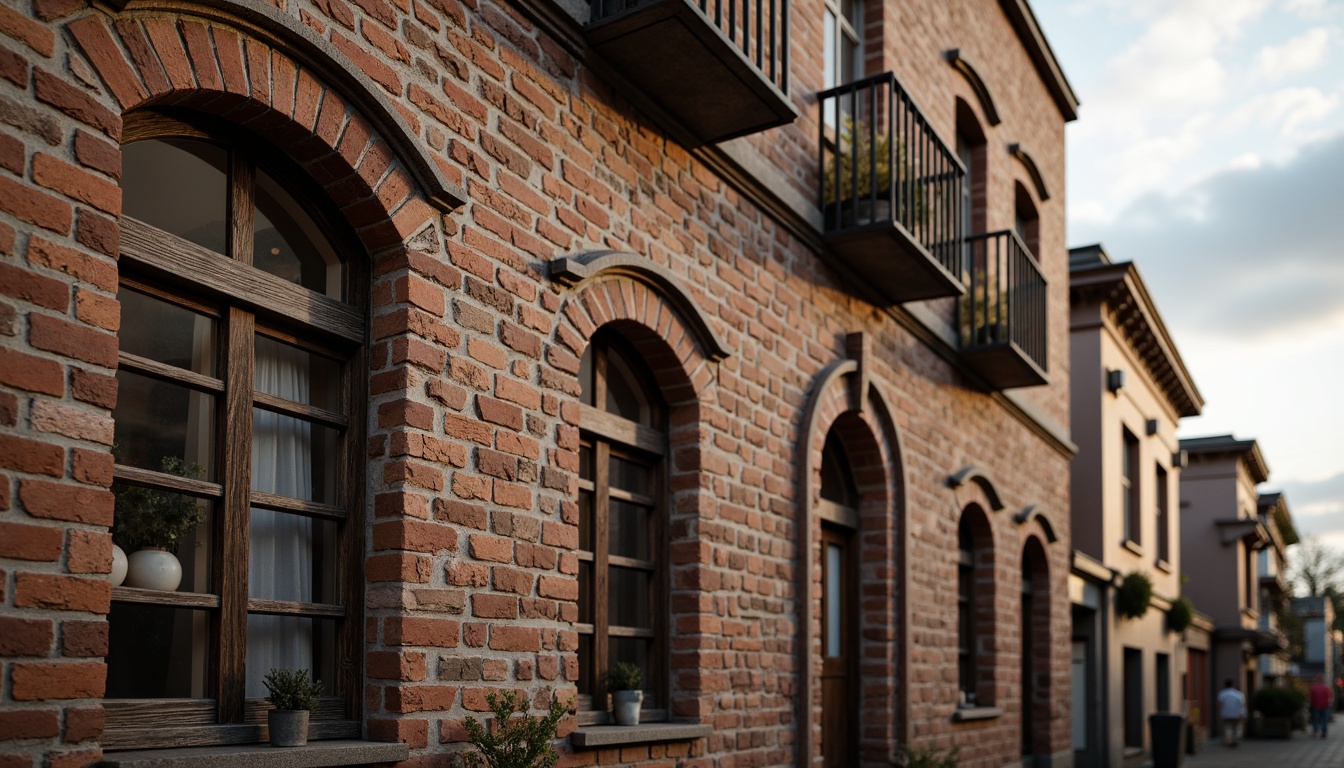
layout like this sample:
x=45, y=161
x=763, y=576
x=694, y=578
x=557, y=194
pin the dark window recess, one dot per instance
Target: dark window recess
x=1002, y=317
x=1133, y=695
x=718, y=68
x=891, y=191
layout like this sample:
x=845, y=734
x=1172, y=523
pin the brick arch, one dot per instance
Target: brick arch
x=208, y=67
x=843, y=399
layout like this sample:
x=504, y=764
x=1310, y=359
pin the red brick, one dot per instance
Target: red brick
x=142, y=55
x=79, y=423
x=29, y=286
x=489, y=606
x=498, y=412
x=378, y=71
x=29, y=724
x=94, y=388
x=34, y=374
x=83, y=724
x=411, y=732
x=96, y=39
x=504, y=637
x=72, y=503
x=414, y=474
x=100, y=273
x=496, y=549
x=98, y=233
x=406, y=413
x=81, y=759
x=202, y=53
x=32, y=456
x=163, y=35
x=13, y=155
x=52, y=90
x=50, y=10
x=30, y=542
x=35, y=206
x=414, y=536
x=25, y=637
x=95, y=309
x=77, y=341
x=84, y=638
x=62, y=593
x=403, y=567
x=419, y=698
x=16, y=26
x=71, y=680
x=9, y=414
x=77, y=183
x=90, y=552
x=416, y=631
x=92, y=467
x=407, y=666
x=98, y=154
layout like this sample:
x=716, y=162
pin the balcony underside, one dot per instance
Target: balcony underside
x=674, y=55
x=885, y=255
x=1004, y=365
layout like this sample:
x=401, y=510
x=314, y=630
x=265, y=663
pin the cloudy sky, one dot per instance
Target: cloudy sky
x=1210, y=150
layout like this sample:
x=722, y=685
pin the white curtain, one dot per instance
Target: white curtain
x=280, y=559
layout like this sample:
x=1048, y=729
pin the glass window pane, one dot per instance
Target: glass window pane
x=157, y=652
x=629, y=476
x=633, y=650
x=292, y=642
x=586, y=671
x=165, y=332
x=586, y=521
x=628, y=529
x=292, y=457
x=587, y=390
x=180, y=186
x=828, y=54
x=297, y=374
x=625, y=395
x=628, y=599
x=291, y=558
x=585, y=592
x=586, y=462
x=834, y=598
x=289, y=244
x=158, y=420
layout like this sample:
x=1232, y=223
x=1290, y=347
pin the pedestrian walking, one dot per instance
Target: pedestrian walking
x=1231, y=710
x=1322, y=701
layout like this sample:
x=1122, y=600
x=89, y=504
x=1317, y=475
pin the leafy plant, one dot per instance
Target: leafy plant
x=858, y=155
x=1279, y=700
x=1134, y=595
x=291, y=689
x=625, y=676
x=151, y=517
x=1180, y=615
x=932, y=757
x=514, y=742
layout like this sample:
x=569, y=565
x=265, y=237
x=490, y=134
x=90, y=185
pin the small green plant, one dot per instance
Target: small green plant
x=1180, y=615
x=515, y=741
x=291, y=689
x=1134, y=595
x=1279, y=700
x=150, y=517
x=869, y=161
x=625, y=676
x=931, y=757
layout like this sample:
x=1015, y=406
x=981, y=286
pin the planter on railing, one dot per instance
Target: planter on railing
x=720, y=68
x=1002, y=317
x=890, y=191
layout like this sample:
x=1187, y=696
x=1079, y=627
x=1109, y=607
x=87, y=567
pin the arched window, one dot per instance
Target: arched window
x=240, y=397
x=975, y=609
x=1026, y=222
x=971, y=152
x=839, y=606
x=622, y=558
x=1035, y=628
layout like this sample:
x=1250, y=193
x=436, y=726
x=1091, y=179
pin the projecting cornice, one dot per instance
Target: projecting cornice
x=1245, y=451
x=1047, y=66
x=1121, y=289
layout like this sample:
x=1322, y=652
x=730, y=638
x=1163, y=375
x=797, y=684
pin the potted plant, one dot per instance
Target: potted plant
x=151, y=521
x=1276, y=705
x=515, y=741
x=1133, y=596
x=1180, y=615
x=626, y=683
x=293, y=693
x=864, y=161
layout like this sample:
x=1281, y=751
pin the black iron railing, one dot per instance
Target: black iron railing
x=1005, y=303
x=882, y=161
x=758, y=28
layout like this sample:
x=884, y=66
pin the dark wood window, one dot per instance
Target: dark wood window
x=240, y=387
x=1163, y=519
x=839, y=510
x=1026, y=222
x=1133, y=697
x=966, y=610
x=1131, y=504
x=622, y=558
x=842, y=54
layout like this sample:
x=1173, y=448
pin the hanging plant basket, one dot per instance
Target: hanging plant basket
x=1181, y=614
x=1136, y=591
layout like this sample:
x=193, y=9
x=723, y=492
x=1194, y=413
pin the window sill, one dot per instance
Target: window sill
x=594, y=736
x=968, y=714
x=317, y=754
x=1133, y=752
x=1163, y=565
x=1132, y=547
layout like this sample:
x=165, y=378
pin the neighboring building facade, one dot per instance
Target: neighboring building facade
x=1130, y=391
x=1221, y=529
x=1275, y=592
x=1319, y=647
x=491, y=361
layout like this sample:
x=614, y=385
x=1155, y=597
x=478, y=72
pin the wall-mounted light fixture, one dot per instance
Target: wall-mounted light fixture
x=1152, y=426
x=1180, y=459
x=1115, y=381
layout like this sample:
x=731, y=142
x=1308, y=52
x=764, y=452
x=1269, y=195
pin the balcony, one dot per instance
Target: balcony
x=890, y=191
x=718, y=67
x=1002, y=318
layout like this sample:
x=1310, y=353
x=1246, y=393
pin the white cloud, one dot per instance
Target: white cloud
x=1248, y=161
x=1300, y=54
x=1287, y=110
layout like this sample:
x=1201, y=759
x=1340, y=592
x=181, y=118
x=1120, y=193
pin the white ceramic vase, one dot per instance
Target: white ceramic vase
x=626, y=705
x=154, y=568
x=118, y=574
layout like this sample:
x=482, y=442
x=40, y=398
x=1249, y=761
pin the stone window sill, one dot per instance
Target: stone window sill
x=594, y=736
x=317, y=754
x=968, y=714
x=1132, y=547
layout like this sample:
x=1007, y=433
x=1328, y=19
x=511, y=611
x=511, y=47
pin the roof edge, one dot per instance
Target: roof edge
x=1047, y=66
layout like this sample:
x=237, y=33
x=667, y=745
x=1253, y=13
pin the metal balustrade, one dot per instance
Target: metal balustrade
x=1003, y=316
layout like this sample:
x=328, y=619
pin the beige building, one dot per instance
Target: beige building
x=1222, y=532
x=1130, y=390
x=1275, y=592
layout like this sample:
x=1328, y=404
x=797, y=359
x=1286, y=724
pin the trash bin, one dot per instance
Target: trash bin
x=1167, y=731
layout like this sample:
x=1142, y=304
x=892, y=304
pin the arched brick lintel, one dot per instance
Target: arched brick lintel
x=212, y=66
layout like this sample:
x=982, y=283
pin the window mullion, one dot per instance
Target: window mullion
x=242, y=177
x=232, y=543
x=601, y=549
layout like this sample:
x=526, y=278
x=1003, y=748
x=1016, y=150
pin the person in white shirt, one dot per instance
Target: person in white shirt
x=1232, y=710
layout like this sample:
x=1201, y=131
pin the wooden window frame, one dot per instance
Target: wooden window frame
x=608, y=434
x=248, y=303
x=1163, y=516
x=1131, y=502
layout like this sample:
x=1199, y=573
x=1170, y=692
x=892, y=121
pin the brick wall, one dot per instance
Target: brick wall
x=473, y=419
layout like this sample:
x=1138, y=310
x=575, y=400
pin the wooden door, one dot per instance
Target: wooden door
x=839, y=649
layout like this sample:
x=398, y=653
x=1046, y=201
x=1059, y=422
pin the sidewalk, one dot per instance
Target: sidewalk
x=1301, y=751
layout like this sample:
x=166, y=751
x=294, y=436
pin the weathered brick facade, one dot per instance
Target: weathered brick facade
x=716, y=273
